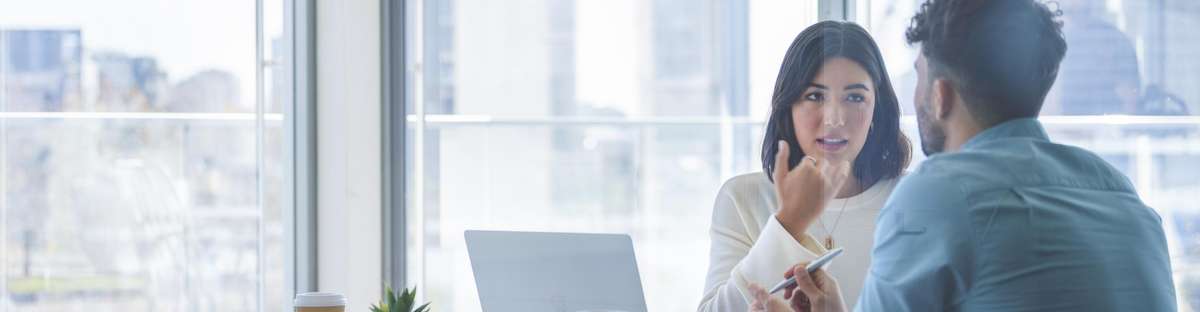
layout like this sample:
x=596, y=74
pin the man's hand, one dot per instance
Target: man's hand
x=804, y=190
x=817, y=291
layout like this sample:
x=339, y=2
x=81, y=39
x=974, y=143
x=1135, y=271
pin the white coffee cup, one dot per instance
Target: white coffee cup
x=319, y=302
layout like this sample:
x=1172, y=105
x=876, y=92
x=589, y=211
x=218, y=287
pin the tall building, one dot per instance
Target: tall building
x=127, y=83
x=41, y=69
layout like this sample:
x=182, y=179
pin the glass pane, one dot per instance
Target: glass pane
x=1124, y=57
x=628, y=115
x=640, y=180
x=134, y=175
x=605, y=58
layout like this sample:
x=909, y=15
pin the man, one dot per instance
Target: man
x=998, y=217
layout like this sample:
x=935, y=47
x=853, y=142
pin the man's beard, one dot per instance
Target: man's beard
x=933, y=135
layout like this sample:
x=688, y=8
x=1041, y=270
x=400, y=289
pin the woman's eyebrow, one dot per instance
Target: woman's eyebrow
x=858, y=86
x=818, y=86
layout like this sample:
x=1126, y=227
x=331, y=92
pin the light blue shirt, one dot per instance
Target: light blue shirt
x=1014, y=222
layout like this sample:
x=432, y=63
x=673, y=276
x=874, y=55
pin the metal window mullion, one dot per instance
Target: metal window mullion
x=394, y=132
x=301, y=128
x=834, y=10
x=3, y=164
x=415, y=36
x=259, y=123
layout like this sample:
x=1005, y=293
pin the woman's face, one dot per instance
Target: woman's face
x=833, y=114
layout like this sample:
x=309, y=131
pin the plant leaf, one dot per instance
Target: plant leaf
x=404, y=301
x=391, y=298
x=407, y=298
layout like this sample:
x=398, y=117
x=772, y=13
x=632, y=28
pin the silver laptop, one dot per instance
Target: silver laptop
x=555, y=272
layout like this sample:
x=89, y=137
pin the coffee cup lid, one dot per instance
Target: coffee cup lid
x=319, y=299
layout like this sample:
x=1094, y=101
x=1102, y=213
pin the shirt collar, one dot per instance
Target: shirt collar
x=1016, y=128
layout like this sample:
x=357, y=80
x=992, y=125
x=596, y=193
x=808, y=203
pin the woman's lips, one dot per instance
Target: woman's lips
x=832, y=145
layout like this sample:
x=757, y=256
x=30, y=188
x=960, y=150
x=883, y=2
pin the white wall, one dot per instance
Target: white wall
x=349, y=168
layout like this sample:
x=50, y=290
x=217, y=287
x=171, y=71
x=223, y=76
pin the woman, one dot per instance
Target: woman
x=833, y=103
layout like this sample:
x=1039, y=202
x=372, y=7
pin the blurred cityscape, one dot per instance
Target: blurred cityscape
x=151, y=212
x=128, y=185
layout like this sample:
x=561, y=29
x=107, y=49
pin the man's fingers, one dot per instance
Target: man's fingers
x=801, y=303
x=786, y=275
x=800, y=270
x=823, y=279
x=805, y=283
x=781, y=161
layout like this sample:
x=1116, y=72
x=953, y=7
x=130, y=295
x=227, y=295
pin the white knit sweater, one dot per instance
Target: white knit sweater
x=750, y=246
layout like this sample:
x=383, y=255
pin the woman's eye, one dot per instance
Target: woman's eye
x=815, y=96
x=856, y=98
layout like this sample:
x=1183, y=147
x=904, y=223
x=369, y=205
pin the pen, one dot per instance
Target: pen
x=812, y=267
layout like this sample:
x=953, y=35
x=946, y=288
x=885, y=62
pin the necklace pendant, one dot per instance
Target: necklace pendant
x=829, y=242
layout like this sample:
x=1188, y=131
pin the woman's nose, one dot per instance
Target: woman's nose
x=833, y=115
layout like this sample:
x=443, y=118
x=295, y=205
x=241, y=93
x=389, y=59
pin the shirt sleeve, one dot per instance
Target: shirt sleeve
x=921, y=260
x=737, y=259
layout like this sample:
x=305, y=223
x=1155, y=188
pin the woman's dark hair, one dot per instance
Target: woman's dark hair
x=886, y=152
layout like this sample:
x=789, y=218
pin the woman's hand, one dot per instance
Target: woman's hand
x=803, y=191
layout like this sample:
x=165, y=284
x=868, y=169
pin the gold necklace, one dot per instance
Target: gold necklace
x=828, y=233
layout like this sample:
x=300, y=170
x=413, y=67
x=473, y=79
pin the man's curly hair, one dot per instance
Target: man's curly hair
x=1002, y=56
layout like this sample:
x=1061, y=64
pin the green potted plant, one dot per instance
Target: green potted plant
x=399, y=303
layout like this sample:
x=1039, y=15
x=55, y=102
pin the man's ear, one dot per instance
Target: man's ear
x=943, y=97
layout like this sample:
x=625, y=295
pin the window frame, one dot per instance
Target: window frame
x=301, y=181
x=394, y=72
x=298, y=193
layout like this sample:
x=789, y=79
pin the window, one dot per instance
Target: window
x=141, y=155
x=625, y=117
x=1126, y=90
x=586, y=116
